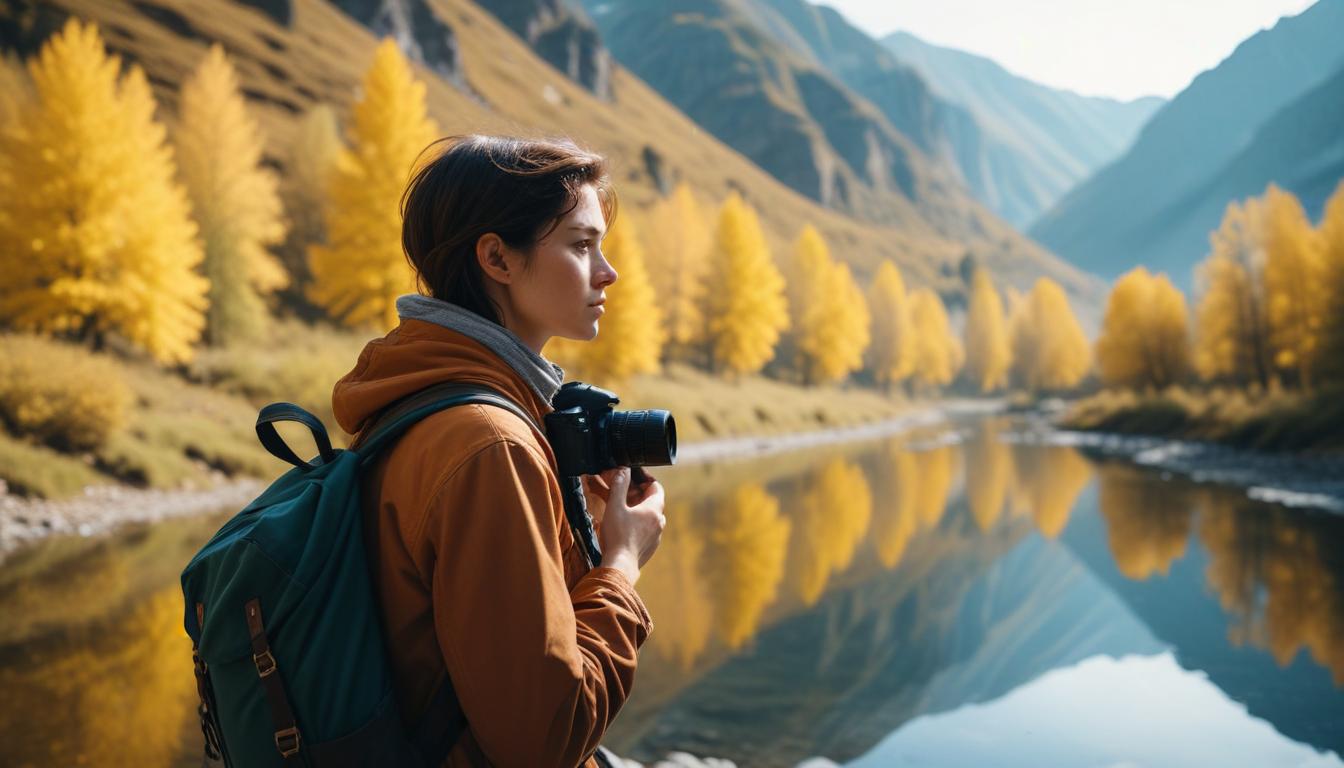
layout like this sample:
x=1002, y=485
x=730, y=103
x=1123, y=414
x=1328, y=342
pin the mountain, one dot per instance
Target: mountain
x=748, y=76
x=1055, y=138
x=1157, y=203
x=564, y=38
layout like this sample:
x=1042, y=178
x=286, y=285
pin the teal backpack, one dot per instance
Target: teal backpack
x=286, y=631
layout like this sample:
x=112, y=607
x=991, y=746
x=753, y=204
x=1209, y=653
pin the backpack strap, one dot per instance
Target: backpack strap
x=402, y=415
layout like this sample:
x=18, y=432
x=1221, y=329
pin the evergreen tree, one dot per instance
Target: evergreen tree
x=678, y=247
x=747, y=310
x=360, y=272
x=97, y=236
x=233, y=198
x=630, y=337
x=936, y=351
x=1050, y=350
x=1144, y=338
x=893, y=341
x=1232, y=320
x=988, y=351
x=1294, y=276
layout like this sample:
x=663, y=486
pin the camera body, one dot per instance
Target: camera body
x=589, y=436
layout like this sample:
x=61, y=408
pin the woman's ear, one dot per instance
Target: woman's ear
x=491, y=255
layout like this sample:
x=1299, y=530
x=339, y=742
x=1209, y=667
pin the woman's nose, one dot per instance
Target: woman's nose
x=604, y=274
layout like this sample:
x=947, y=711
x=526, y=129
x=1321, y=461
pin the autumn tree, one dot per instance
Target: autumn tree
x=310, y=162
x=361, y=270
x=1295, y=288
x=97, y=236
x=892, y=351
x=1232, y=339
x=1050, y=350
x=747, y=310
x=833, y=516
x=678, y=247
x=233, y=199
x=988, y=350
x=829, y=313
x=937, y=353
x=749, y=540
x=1331, y=230
x=1144, y=336
x=630, y=337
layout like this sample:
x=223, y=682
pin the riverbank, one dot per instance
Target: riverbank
x=102, y=508
x=1273, y=421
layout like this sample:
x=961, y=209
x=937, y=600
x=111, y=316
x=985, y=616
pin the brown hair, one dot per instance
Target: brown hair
x=518, y=189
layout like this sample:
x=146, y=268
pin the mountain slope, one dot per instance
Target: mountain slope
x=1122, y=215
x=1060, y=136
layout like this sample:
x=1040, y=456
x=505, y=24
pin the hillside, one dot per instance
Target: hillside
x=1052, y=138
x=1126, y=214
x=292, y=56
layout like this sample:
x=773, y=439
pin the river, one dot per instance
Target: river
x=962, y=594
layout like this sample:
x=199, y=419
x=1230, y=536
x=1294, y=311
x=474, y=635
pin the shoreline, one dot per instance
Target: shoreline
x=1301, y=480
x=104, y=508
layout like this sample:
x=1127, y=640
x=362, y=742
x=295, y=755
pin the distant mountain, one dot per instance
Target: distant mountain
x=1053, y=138
x=1157, y=203
x=752, y=77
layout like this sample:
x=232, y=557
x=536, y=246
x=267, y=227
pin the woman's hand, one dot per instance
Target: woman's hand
x=632, y=523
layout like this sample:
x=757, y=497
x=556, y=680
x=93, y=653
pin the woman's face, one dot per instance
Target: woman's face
x=561, y=290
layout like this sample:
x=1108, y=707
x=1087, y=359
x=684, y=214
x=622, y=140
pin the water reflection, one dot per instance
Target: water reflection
x=808, y=604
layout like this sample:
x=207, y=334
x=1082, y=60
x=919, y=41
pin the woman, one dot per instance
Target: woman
x=481, y=581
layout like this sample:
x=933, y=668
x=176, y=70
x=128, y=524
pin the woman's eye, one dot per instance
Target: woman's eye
x=584, y=245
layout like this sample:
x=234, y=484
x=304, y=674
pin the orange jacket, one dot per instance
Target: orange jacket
x=478, y=573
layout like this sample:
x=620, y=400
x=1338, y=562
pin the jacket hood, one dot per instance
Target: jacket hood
x=418, y=354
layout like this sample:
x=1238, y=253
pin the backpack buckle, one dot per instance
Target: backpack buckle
x=265, y=665
x=287, y=741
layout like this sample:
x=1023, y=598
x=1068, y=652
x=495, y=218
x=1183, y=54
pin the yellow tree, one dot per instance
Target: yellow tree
x=97, y=237
x=937, y=353
x=829, y=313
x=747, y=310
x=1294, y=276
x=750, y=540
x=310, y=162
x=360, y=272
x=1050, y=350
x=1331, y=230
x=630, y=337
x=1144, y=337
x=892, y=353
x=988, y=351
x=233, y=197
x=1232, y=320
x=678, y=246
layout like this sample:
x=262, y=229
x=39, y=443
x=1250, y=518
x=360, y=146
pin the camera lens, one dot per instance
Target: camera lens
x=642, y=438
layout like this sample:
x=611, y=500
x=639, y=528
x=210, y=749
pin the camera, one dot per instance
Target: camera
x=588, y=436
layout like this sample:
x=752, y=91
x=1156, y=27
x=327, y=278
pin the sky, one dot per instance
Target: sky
x=1094, y=47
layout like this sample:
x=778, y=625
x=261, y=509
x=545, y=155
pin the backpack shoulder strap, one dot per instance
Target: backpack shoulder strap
x=400, y=416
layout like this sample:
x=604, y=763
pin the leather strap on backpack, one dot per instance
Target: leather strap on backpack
x=287, y=739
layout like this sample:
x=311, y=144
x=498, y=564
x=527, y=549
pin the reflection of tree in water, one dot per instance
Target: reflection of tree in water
x=1147, y=523
x=989, y=471
x=1280, y=572
x=673, y=588
x=936, y=468
x=894, y=519
x=114, y=695
x=1047, y=483
x=828, y=525
x=748, y=543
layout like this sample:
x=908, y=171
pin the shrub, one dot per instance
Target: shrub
x=60, y=395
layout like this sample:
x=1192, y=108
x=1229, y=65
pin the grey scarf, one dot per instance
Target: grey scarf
x=543, y=376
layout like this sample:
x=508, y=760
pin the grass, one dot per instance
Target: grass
x=186, y=428
x=1276, y=420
